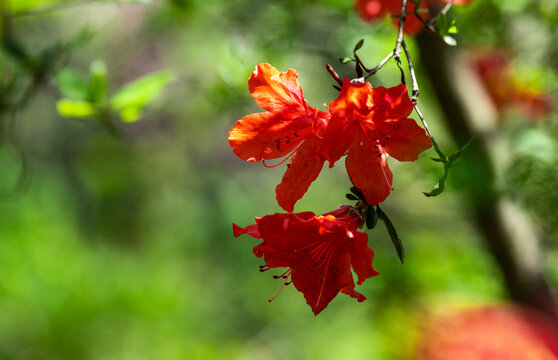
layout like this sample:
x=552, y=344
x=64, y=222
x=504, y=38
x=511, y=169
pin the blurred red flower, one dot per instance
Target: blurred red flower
x=318, y=251
x=368, y=123
x=503, y=86
x=496, y=332
x=289, y=127
x=374, y=10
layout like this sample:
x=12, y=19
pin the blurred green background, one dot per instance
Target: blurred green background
x=119, y=244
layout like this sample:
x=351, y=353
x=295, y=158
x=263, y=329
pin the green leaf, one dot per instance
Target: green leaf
x=456, y=155
x=351, y=197
x=438, y=188
x=442, y=24
x=392, y=234
x=358, y=45
x=345, y=60
x=98, y=84
x=75, y=108
x=131, y=98
x=71, y=84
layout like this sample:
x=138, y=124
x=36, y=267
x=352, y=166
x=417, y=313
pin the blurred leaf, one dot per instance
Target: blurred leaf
x=130, y=113
x=71, y=84
x=75, y=108
x=351, y=197
x=536, y=144
x=131, y=98
x=442, y=24
x=452, y=28
x=98, y=84
x=345, y=60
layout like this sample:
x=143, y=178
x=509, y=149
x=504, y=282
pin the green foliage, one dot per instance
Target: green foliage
x=132, y=97
x=90, y=98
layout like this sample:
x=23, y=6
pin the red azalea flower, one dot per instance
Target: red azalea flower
x=374, y=10
x=318, y=251
x=289, y=126
x=368, y=123
x=504, y=88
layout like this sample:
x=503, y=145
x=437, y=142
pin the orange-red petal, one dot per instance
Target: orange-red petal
x=361, y=257
x=391, y=103
x=263, y=136
x=403, y=139
x=369, y=170
x=276, y=91
x=303, y=169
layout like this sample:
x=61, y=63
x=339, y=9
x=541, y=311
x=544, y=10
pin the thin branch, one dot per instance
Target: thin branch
x=376, y=69
x=402, y=18
x=434, y=143
x=415, y=94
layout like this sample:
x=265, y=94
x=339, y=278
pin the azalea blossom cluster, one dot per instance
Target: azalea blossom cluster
x=365, y=123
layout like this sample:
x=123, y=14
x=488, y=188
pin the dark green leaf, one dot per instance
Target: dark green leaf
x=371, y=217
x=358, y=45
x=456, y=155
x=392, y=234
x=438, y=188
x=357, y=192
x=351, y=197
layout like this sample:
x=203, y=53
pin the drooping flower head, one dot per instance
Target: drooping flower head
x=370, y=123
x=289, y=127
x=317, y=250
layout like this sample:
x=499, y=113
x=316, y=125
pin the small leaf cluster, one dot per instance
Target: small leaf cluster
x=86, y=98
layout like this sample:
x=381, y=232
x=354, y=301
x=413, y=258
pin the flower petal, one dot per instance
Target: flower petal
x=264, y=136
x=251, y=230
x=276, y=91
x=361, y=257
x=303, y=169
x=391, y=103
x=321, y=283
x=403, y=139
x=369, y=170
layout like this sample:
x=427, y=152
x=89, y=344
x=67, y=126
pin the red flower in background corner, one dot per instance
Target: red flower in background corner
x=510, y=332
x=318, y=250
x=289, y=127
x=368, y=123
x=374, y=10
x=495, y=72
